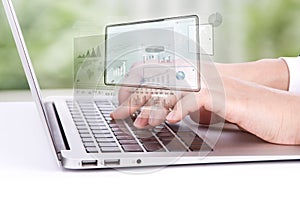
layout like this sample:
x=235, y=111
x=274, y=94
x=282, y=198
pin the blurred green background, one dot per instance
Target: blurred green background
x=251, y=29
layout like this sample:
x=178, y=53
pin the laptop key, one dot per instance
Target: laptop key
x=80, y=123
x=101, y=131
x=99, y=122
x=77, y=119
x=99, y=127
x=85, y=136
x=101, y=135
x=175, y=146
x=83, y=131
x=164, y=134
x=90, y=113
x=112, y=122
x=92, y=149
x=188, y=137
x=107, y=144
x=151, y=147
x=132, y=148
x=93, y=117
x=120, y=133
x=116, y=125
x=174, y=127
x=87, y=140
x=161, y=130
x=120, y=129
x=102, y=102
x=105, y=139
x=124, y=142
x=197, y=141
x=167, y=139
x=194, y=142
x=143, y=134
x=149, y=139
x=106, y=112
x=195, y=148
x=128, y=137
x=96, y=124
x=89, y=144
x=103, y=108
x=76, y=115
x=110, y=149
x=81, y=127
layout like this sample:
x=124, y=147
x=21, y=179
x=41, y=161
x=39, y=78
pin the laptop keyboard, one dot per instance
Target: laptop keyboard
x=101, y=134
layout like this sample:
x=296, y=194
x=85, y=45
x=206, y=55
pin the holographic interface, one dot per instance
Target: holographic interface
x=160, y=54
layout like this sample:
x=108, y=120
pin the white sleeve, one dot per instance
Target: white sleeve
x=294, y=71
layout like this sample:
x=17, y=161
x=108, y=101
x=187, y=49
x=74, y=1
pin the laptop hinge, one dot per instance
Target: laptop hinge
x=56, y=131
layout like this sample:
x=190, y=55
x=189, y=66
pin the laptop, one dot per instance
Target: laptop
x=83, y=136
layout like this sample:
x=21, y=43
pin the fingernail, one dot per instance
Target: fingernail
x=111, y=115
x=171, y=116
x=151, y=120
x=137, y=121
x=151, y=117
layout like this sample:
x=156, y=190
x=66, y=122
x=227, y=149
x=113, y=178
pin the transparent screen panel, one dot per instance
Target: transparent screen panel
x=162, y=54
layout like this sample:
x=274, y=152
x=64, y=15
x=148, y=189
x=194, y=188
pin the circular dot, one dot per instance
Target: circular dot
x=215, y=19
x=180, y=75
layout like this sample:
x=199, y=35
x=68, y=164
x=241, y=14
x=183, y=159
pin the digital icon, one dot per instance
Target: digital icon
x=180, y=75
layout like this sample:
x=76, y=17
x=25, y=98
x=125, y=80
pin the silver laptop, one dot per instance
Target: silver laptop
x=83, y=135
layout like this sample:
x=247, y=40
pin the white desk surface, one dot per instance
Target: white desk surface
x=28, y=170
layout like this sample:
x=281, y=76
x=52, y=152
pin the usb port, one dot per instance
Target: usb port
x=89, y=163
x=112, y=162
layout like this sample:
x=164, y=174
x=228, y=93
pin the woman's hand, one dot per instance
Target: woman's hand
x=257, y=104
x=267, y=113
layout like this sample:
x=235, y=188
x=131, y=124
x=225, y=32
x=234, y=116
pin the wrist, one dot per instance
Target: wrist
x=275, y=73
x=293, y=64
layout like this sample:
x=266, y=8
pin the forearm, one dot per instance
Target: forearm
x=268, y=72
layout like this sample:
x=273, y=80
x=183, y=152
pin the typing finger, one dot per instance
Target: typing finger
x=130, y=106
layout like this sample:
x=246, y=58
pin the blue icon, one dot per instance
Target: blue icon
x=180, y=75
